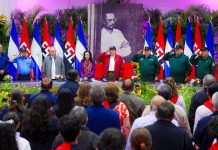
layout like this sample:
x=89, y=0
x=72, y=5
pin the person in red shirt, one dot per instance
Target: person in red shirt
x=112, y=65
x=70, y=130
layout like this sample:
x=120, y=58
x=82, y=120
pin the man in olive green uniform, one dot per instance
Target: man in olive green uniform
x=180, y=67
x=204, y=63
x=148, y=64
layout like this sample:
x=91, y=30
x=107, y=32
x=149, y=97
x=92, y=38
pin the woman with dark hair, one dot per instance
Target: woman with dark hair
x=65, y=102
x=7, y=136
x=213, y=131
x=39, y=127
x=16, y=105
x=112, y=96
x=140, y=139
x=176, y=98
x=87, y=66
x=83, y=96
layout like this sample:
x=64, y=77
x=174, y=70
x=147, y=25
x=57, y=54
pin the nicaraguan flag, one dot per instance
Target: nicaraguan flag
x=148, y=39
x=209, y=40
x=188, y=49
x=80, y=46
x=168, y=48
x=13, y=50
x=57, y=42
x=36, y=52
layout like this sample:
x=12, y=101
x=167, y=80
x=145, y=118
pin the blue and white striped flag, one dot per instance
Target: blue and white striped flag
x=36, y=52
x=80, y=46
x=209, y=40
x=168, y=48
x=57, y=42
x=148, y=39
x=13, y=50
x=188, y=49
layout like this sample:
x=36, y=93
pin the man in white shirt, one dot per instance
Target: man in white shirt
x=111, y=36
x=206, y=109
x=53, y=65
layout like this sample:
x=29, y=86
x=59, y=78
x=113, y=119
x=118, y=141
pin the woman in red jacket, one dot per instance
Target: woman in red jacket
x=112, y=64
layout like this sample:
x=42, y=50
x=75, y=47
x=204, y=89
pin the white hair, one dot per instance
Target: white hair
x=215, y=101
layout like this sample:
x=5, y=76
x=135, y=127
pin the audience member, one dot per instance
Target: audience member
x=111, y=139
x=87, y=139
x=16, y=105
x=82, y=98
x=176, y=98
x=141, y=139
x=112, y=96
x=199, y=98
x=206, y=109
x=100, y=118
x=201, y=137
x=213, y=131
x=134, y=104
x=65, y=102
x=22, y=143
x=165, y=135
x=46, y=86
x=39, y=127
x=148, y=119
x=72, y=81
x=180, y=116
x=7, y=136
x=70, y=130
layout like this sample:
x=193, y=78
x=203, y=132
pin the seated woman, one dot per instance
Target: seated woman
x=87, y=67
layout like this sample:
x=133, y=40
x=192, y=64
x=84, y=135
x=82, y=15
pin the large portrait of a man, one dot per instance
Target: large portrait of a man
x=118, y=25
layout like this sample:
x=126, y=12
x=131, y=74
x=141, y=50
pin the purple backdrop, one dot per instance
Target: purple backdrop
x=166, y=5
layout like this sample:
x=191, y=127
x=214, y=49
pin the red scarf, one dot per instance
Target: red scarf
x=87, y=68
x=174, y=99
x=208, y=104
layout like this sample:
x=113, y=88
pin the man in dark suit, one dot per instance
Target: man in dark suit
x=165, y=135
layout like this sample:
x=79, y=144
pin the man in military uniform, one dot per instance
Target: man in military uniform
x=148, y=64
x=25, y=65
x=204, y=63
x=180, y=67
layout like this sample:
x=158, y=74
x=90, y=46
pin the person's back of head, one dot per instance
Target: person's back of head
x=165, y=111
x=212, y=89
x=83, y=93
x=72, y=75
x=215, y=101
x=79, y=112
x=65, y=101
x=46, y=84
x=70, y=128
x=141, y=139
x=112, y=92
x=171, y=82
x=155, y=102
x=128, y=85
x=12, y=116
x=165, y=91
x=111, y=139
x=208, y=80
x=213, y=127
x=7, y=135
x=97, y=95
